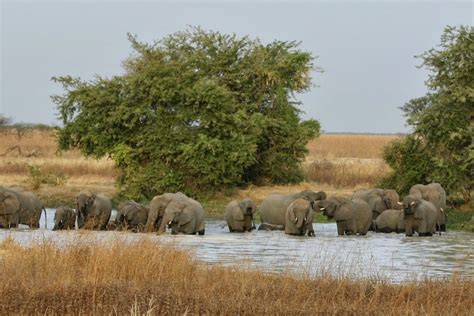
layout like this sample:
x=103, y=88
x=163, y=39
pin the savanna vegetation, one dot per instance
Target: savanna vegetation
x=143, y=277
x=197, y=111
x=441, y=147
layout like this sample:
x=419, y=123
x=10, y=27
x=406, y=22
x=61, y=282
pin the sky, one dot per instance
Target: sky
x=366, y=48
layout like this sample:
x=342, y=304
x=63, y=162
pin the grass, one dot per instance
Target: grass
x=335, y=164
x=144, y=277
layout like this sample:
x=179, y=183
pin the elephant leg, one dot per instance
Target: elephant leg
x=201, y=232
x=351, y=228
x=442, y=227
x=340, y=228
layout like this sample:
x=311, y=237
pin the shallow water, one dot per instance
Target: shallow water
x=390, y=256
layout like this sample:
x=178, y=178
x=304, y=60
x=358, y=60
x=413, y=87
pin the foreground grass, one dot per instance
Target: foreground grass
x=88, y=276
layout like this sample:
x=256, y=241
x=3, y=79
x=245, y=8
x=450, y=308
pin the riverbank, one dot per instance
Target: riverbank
x=144, y=277
x=336, y=163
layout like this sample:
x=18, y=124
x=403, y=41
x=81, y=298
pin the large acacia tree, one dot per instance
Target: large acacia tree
x=197, y=111
x=441, y=147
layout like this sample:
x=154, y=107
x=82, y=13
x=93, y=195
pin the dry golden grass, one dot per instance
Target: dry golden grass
x=335, y=163
x=330, y=146
x=88, y=276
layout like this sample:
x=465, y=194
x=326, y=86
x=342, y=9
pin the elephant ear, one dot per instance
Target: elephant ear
x=344, y=212
x=291, y=213
x=238, y=213
x=186, y=216
x=12, y=203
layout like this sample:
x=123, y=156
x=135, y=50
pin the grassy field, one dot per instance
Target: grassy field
x=336, y=163
x=144, y=277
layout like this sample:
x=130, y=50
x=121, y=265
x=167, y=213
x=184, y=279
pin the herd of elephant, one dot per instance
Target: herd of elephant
x=422, y=211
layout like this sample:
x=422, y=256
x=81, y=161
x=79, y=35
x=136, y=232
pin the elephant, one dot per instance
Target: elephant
x=31, y=208
x=93, y=210
x=273, y=208
x=390, y=221
x=9, y=208
x=352, y=216
x=183, y=216
x=64, y=218
x=419, y=216
x=299, y=218
x=239, y=215
x=435, y=194
x=379, y=200
x=157, y=209
x=131, y=215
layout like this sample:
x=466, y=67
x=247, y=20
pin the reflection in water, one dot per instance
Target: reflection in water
x=391, y=256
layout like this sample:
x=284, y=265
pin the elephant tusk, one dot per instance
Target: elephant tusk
x=296, y=220
x=322, y=209
x=441, y=209
x=169, y=223
x=399, y=203
x=412, y=203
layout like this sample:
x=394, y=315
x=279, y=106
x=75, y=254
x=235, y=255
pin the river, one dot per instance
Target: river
x=393, y=257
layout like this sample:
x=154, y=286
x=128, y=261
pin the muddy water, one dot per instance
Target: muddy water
x=389, y=256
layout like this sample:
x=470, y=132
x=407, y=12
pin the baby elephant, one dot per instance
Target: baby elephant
x=64, y=218
x=131, y=216
x=352, y=216
x=299, y=218
x=239, y=215
x=419, y=215
x=390, y=221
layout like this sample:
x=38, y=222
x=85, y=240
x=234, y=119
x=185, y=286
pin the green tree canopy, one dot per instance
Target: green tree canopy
x=197, y=111
x=441, y=147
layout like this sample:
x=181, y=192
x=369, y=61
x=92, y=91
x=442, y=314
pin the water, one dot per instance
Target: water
x=390, y=256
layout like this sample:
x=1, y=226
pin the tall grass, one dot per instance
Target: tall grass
x=112, y=277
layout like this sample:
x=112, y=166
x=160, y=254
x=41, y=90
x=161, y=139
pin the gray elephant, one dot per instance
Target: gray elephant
x=273, y=208
x=93, y=210
x=9, y=208
x=240, y=215
x=131, y=215
x=183, y=216
x=157, y=209
x=379, y=200
x=31, y=208
x=299, y=218
x=19, y=206
x=419, y=216
x=64, y=218
x=352, y=216
x=390, y=221
x=435, y=194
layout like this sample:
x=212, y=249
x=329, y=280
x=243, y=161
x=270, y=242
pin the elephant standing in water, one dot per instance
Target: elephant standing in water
x=157, y=209
x=64, y=218
x=273, y=208
x=18, y=206
x=435, y=194
x=419, y=216
x=93, y=210
x=299, y=218
x=9, y=208
x=131, y=215
x=352, y=216
x=239, y=215
x=390, y=221
x=379, y=200
x=183, y=216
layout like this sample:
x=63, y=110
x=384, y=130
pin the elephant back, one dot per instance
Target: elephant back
x=273, y=208
x=14, y=202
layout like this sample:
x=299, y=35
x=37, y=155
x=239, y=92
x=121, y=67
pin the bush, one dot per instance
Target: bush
x=197, y=112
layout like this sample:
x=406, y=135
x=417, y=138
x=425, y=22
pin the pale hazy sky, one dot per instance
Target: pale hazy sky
x=366, y=48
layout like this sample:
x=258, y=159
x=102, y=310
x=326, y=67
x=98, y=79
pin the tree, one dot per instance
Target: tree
x=197, y=111
x=441, y=147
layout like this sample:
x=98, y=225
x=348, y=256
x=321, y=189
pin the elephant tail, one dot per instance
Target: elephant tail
x=45, y=218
